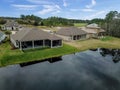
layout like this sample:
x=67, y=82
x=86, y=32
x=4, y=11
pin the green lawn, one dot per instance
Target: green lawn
x=80, y=24
x=8, y=56
x=106, y=42
x=107, y=38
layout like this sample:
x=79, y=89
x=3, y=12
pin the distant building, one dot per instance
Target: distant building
x=93, y=31
x=71, y=33
x=34, y=38
x=11, y=25
x=2, y=36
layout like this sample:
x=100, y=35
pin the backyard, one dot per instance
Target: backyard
x=9, y=56
x=106, y=42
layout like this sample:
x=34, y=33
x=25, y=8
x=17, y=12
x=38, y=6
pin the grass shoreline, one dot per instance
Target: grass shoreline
x=9, y=57
x=16, y=56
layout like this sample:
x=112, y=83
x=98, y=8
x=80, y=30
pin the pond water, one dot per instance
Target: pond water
x=88, y=70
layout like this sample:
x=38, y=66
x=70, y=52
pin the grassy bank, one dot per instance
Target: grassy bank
x=107, y=42
x=8, y=56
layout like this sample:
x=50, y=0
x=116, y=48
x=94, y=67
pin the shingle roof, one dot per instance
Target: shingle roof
x=93, y=25
x=29, y=34
x=92, y=30
x=68, y=31
x=89, y=30
x=12, y=24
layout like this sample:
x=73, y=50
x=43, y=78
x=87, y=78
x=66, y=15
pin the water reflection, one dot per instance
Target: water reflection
x=87, y=70
x=93, y=49
x=55, y=59
x=115, y=53
x=51, y=60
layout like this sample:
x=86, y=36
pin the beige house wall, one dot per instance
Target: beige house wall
x=66, y=38
x=13, y=42
x=69, y=38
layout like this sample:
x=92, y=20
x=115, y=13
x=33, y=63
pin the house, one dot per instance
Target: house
x=33, y=38
x=11, y=25
x=2, y=36
x=93, y=31
x=71, y=33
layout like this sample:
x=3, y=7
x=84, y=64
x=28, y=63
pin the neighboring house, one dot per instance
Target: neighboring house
x=93, y=31
x=11, y=25
x=34, y=38
x=71, y=33
x=2, y=36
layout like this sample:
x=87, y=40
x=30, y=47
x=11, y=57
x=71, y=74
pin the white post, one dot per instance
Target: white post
x=51, y=43
x=33, y=44
x=71, y=37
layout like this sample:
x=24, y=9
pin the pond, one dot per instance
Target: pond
x=88, y=70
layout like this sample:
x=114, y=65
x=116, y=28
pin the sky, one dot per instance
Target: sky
x=72, y=9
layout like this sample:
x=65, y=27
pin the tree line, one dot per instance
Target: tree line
x=38, y=21
x=111, y=23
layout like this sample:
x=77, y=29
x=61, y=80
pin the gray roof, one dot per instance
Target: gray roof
x=12, y=24
x=92, y=30
x=29, y=34
x=89, y=30
x=1, y=34
x=68, y=31
x=93, y=25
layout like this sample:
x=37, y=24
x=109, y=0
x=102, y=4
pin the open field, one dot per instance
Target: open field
x=107, y=42
x=80, y=24
x=8, y=56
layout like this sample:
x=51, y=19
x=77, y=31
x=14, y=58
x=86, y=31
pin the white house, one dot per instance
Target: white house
x=93, y=31
x=11, y=25
x=33, y=38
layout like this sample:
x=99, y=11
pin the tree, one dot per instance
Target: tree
x=2, y=21
x=57, y=21
x=113, y=21
x=22, y=16
x=29, y=19
x=111, y=15
x=8, y=33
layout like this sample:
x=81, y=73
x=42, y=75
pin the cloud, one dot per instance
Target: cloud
x=58, y=11
x=64, y=3
x=42, y=2
x=24, y=7
x=84, y=10
x=95, y=15
x=93, y=3
x=88, y=10
x=74, y=10
x=50, y=9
